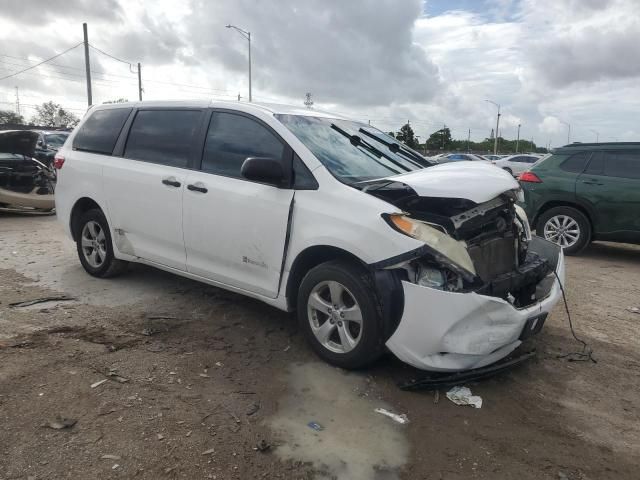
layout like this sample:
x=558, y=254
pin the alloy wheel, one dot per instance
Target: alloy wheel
x=562, y=230
x=335, y=317
x=94, y=244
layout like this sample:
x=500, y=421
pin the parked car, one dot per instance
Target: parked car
x=371, y=244
x=25, y=183
x=516, y=164
x=49, y=142
x=585, y=192
x=460, y=157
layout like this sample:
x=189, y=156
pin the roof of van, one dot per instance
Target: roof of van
x=597, y=146
x=272, y=108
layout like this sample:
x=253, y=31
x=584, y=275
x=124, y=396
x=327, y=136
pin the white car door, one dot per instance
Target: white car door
x=145, y=188
x=235, y=230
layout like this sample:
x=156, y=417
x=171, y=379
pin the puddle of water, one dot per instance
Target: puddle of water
x=356, y=443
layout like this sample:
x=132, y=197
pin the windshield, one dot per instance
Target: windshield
x=353, y=151
x=55, y=139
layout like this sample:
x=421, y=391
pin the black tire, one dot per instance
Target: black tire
x=507, y=169
x=584, y=238
x=358, y=284
x=110, y=266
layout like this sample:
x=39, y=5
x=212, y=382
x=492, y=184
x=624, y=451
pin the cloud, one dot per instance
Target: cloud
x=353, y=53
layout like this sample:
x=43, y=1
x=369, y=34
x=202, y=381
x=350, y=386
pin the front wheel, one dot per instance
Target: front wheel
x=566, y=226
x=95, y=250
x=339, y=314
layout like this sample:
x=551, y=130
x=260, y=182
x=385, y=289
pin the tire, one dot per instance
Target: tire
x=96, y=254
x=577, y=228
x=316, y=312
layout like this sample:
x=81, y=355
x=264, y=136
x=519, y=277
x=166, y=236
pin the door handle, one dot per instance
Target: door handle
x=592, y=182
x=198, y=187
x=171, y=181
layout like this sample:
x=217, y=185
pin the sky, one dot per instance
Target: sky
x=548, y=63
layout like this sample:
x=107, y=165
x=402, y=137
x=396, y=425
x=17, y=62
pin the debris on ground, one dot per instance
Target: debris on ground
x=402, y=418
x=61, y=423
x=113, y=375
x=110, y=457
x=262, y=446
x=28, y=303
x=436, y=396
x=161, y=317
x=98, y=383
x=253, y=408
x=149, y=331
x=463, y=396
x=634, y=309
x=209, y=452
x=316, y=426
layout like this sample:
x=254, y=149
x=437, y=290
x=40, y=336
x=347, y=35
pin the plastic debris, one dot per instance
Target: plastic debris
x=98, y=383
x=634, y=310
x=208, y=452
x=316, y=426
x=463, y=396
x=60, y=423
x=110, y=457
x=402, y=418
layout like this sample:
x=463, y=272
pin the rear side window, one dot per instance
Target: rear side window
x=622, y=164
x=100, y=131
x=576, y=162
x=163, y=136
x=232, y=138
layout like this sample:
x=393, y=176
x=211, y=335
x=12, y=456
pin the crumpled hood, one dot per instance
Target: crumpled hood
x=475, y=181
x=20, y=142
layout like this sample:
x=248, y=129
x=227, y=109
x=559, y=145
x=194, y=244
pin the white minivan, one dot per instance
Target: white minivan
x=370, y=243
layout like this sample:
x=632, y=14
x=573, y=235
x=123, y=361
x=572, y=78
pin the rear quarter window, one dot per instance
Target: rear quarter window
x=99, y=133
x=576, y=162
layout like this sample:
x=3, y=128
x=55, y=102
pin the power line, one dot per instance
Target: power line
x=43, y=61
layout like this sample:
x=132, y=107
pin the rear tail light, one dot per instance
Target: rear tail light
x=58, y=161
x=530, y=177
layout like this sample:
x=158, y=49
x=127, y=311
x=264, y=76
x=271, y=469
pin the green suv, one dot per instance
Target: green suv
x=585, y=192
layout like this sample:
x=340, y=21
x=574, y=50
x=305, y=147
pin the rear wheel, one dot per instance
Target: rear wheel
x=338, y=312
x=566, y=226
x=95, y=249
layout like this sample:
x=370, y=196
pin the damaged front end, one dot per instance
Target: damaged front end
x=480, y=284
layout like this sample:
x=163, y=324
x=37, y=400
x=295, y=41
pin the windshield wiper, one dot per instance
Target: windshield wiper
x=398, y=148
x=357, y=141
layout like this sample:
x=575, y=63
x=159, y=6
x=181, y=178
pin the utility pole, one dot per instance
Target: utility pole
x=469, y=141
x=139, y=82
x=444, y=128
x=307, y=100
x=87, y=65
x=518, y=140
x=17, y=102
x=597, y=134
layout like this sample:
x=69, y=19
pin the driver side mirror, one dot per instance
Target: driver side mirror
x=264, y=170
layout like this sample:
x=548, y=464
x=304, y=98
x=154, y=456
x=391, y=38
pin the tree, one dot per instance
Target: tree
x=391, y=134
x=7, y=116
x=51, y=114
x=407, y=136
x=440, y=139
x=117, y=100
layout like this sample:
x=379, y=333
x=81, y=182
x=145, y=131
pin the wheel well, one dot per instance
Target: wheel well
x=83, y=205
x=560, y=203
x=310, y=258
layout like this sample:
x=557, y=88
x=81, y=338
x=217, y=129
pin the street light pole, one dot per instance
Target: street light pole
x=246, y=35
x=495, y=142
x=568, y=131
x=597, y=135
x=518, y=140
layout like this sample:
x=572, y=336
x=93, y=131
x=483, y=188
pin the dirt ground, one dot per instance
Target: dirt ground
x=202, y=383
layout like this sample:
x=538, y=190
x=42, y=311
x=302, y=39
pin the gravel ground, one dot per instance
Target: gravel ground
x=168, y=378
